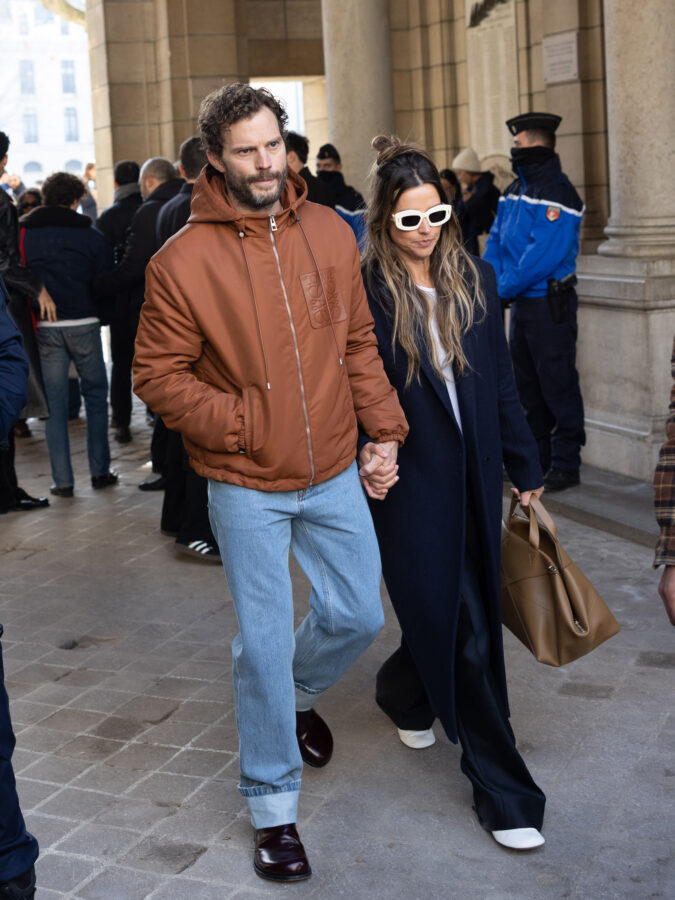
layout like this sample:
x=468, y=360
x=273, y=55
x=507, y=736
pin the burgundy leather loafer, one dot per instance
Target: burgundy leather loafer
x=279, y=854
x=314, y=738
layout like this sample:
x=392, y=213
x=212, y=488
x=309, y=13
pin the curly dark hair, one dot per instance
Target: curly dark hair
x=230, y=104
x=62, y=189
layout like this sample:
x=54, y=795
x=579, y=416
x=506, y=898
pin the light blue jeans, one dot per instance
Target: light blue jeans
x=82, y=344
x=276, y=671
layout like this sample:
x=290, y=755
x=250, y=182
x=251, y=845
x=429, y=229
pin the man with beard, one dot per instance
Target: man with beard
x=533, y=246
x=256, y=343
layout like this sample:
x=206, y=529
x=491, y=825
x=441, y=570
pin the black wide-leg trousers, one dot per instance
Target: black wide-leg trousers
x=505, y=795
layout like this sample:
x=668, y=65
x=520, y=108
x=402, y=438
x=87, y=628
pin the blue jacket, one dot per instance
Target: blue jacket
x=13, y=368
x=536, y=233
x=62, y=248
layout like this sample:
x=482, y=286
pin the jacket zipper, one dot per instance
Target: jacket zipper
x=273, y=228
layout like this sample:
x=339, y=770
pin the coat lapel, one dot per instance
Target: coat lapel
x=466, y=385
x=439, y=386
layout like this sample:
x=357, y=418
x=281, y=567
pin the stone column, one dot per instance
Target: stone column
x=640, y=58
x=152, y=63
x=124, y=85
x=200, y=46
x=359, y=92
x=627, y=290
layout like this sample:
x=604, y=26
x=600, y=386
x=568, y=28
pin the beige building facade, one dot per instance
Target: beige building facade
x=446, y=73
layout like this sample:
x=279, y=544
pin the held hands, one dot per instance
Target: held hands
x=524, y=497
x=377, y=468
x=667, y=591
x=47, y=306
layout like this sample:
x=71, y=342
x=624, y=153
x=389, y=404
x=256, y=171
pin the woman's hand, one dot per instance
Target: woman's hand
x=47, y=306
x=377, y=468
x=524, y=497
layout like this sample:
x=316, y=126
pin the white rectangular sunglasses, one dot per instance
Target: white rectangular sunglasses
x=411, y=219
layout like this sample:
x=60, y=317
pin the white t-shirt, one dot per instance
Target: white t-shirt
x=68, y=323
x=448, y=374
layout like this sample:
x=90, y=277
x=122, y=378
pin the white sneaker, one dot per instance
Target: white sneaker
x=519, y=838
x=418, y=740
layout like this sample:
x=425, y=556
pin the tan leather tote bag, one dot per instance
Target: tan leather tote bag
x=547, y=602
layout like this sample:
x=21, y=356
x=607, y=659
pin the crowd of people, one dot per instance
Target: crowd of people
x=356, y=407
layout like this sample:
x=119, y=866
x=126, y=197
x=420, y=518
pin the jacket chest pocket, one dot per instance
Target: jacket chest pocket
x=322, y=297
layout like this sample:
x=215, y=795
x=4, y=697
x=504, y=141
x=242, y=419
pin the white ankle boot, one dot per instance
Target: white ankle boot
x=418, y=740
x=519, y=838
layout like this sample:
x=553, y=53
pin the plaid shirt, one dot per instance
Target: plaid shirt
x=664, y=486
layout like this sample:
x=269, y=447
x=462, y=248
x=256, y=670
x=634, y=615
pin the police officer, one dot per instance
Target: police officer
x=533, y=246
x=18, y=848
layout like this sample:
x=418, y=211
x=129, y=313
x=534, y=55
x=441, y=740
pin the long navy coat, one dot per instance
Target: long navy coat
x=421, y=525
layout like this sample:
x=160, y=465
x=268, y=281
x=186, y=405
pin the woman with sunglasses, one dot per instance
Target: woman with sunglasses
x=439, y=327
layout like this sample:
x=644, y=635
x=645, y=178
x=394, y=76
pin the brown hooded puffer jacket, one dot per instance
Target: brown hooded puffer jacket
x=256, y=342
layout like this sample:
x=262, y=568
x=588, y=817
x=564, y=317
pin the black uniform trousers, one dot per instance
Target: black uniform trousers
x=18, y=848
x=123, y=327
x=185, y=509
x=544, y=363
x=505, y=795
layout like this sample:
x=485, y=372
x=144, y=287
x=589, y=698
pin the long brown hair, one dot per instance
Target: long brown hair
x=460, y=300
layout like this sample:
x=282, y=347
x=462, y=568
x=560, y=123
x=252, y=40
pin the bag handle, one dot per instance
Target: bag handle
x=538, y=507
x=532, y=511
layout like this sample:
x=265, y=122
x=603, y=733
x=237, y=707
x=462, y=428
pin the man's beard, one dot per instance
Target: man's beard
x=241, y=190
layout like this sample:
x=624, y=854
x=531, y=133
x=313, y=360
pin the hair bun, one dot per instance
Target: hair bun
x=387, y=147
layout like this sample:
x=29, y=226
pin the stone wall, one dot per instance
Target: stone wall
x=429, y=74
x=153, y=61
x=431, y=97
x=284, y=38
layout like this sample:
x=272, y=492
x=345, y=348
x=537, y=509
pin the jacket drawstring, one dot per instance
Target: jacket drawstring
x=242, y=235
x=318, y=273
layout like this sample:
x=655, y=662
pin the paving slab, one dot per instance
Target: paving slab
x=118, y=667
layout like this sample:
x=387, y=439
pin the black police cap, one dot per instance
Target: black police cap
x=328, y=151
x=533, y=121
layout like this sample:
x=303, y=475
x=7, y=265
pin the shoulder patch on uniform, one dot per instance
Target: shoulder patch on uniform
x=552, y=213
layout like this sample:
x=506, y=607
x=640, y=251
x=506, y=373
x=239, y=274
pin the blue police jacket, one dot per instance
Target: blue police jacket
x=536, y=233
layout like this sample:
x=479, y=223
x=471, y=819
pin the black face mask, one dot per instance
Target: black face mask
x=330, y=177
x=530, y=156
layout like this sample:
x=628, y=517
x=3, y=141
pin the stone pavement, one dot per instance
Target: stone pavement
x=118, y=668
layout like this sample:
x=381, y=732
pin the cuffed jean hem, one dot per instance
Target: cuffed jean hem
x=305, y=698
x=272, y=809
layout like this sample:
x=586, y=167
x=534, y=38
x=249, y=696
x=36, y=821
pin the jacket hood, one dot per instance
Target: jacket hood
x=211, y=203
x=54, y=216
